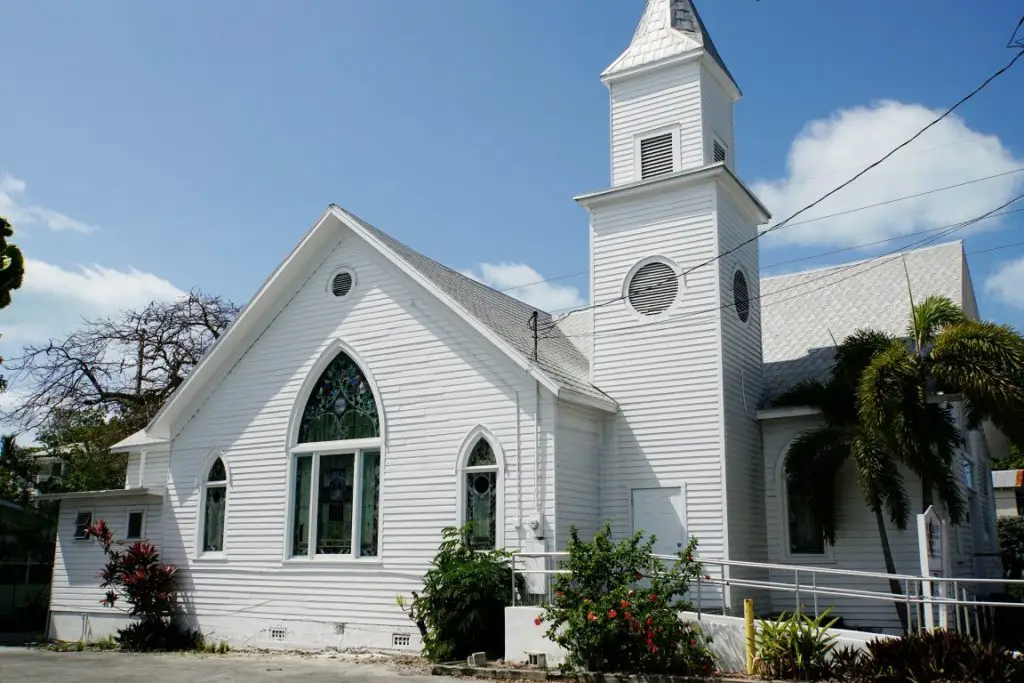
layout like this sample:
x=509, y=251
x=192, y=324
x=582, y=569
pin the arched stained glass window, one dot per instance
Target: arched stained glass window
x=341, y=406
x=480, y=486
x=482, y=455
x=215, y=500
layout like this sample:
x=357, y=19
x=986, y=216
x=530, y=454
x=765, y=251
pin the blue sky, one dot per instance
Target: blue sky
x=152, y=147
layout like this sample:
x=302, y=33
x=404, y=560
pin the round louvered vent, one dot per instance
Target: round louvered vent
x=741, y=295
x=653, y=288
x=341, y=284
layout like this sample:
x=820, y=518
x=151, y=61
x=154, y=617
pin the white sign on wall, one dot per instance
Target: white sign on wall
x=933, y=548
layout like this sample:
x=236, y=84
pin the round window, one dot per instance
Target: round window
x=341, y=283
x=741, y=295
x=653, y=288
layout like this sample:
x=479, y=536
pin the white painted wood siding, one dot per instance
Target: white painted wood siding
x=857, y=543
x=717, y=117
x=651, y=101
x=437, y=381
x=577, y=472
x=742, y=388
x=75, y=587
x=665, y=372
x=154, y=469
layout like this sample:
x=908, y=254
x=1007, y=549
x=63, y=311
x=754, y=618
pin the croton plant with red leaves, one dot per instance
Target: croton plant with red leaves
x=136, y=574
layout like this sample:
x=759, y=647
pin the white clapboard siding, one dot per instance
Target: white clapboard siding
x=153, y=467
x=664, y=372
x=742, y=388
x=649, y=102
x=577, y=472
x=75, y=586
x=437, y=380
x=718, y=118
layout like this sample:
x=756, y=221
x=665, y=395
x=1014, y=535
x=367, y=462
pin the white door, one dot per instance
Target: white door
x=660, y=512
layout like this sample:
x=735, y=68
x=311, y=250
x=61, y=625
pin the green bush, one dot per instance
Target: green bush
x=617, y=609
x=795, y=647
x=1011, y=550
x=461, y=608
x=930, y=657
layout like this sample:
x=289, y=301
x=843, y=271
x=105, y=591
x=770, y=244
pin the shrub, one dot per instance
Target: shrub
x=931, y=657
x=461, y=608
x=795, y=646
x=617, y=609
x=136, y=575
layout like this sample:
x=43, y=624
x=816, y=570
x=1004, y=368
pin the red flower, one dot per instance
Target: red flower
x=612, y=614
x=591, y=616
x=653, y=648
x=624, y=604
x=650, y=621
x=693, y=643
x=627, y=616
x=538, y=621
x=652, y=597
x=559, y=594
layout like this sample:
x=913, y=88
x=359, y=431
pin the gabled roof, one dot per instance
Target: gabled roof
x=668, y=28
x=804, y=315
x=501, y=319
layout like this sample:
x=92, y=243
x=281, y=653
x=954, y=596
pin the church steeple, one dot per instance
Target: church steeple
x=668, y=28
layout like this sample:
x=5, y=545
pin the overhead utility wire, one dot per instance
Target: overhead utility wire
x=840, y=187
x=830, y=272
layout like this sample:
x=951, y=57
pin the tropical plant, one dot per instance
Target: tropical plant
x=795, y=647
x=938, y=656
x=616, y=608
x=1014, y=460
x=816, y=456
x=12, y=273
x=946, y=354
x=461, y=608
x=136, y=575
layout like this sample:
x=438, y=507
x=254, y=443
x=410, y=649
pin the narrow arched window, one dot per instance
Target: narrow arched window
x=335, y=495
x=480, y=491
x=215, y=499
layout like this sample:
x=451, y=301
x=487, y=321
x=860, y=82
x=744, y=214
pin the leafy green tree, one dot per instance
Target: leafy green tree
x=816, y=456
x=12, y=272
x=947, y=354
x=80, y=441
x=1014, y=460
x=17, y=471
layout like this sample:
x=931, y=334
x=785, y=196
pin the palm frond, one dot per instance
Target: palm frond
x=945, y=440
x=857, y=351
x=880, y=480
x=884, y=386
x=810, y=393
x=985, y=363
x=931, y=315
x=812, y=464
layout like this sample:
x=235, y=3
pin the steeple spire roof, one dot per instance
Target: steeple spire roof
x=667, y=29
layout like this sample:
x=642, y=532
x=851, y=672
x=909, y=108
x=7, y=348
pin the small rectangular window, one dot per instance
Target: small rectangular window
x=370, y=504
x=720, y=152
x=135, y=521
x=300, y=513
x=82, y=522
x=334, y=504
x=657, y=155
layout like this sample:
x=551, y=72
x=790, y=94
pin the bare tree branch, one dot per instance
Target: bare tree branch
x=127, y=365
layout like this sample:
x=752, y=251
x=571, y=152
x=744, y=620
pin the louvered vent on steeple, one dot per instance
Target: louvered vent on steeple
x=653, y=288
x=656, y=155
x=719, y=152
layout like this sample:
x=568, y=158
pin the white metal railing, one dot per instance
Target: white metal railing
x=927, y=599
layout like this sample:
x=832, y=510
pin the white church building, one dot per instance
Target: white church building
x=368, y=396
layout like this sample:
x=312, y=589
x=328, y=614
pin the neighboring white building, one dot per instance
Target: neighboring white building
x=1009, y=492
x=368, y=396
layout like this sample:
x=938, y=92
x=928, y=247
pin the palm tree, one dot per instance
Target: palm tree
x=947, y=354
x=815, y=457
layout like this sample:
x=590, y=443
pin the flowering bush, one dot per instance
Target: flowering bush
x=617, y=609
x=147, y=585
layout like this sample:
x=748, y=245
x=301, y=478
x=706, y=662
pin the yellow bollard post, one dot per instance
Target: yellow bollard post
x=748, y=618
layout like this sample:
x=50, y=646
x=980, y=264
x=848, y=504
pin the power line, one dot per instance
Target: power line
x=831, y=272
x=833, y=191
x=1000, y=247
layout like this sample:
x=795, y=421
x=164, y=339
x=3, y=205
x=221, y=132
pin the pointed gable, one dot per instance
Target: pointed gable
x=668, y=28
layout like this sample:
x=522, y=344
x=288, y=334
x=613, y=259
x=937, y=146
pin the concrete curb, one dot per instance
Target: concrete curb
x=509, y=674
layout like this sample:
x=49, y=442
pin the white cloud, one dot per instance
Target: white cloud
x=53, y=300
x=524, y=283
x=830, y=151
x=1007, y=284
x=20, y=213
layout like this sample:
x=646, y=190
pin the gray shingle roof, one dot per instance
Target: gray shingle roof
x=506, y=316
x=803, y=312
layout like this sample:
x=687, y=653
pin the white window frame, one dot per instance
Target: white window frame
x=828, y=554
x=74, y=529
x=676, y=155
x=680, y=291
x=127, y=524
x=204, y=486
x=468, y=443
x=356, y=448
x=322, y=448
